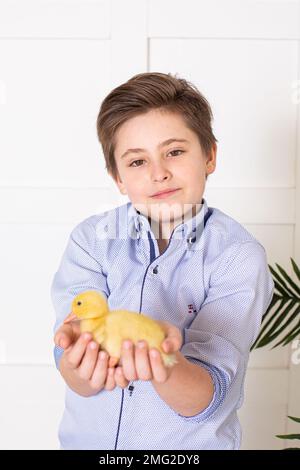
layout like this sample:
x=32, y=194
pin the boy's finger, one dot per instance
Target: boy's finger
x=100, y=372
x=87, y=366
x=63, y=336
x=76, y=353
x=172, y=333
x=172, y=342
x=158, y=369
x=110, y=380
x=67, y=334
x=142, y=364
x=128, y=360
x=120, y=378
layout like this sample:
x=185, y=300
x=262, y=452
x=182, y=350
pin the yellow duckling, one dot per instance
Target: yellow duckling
x=111, y=328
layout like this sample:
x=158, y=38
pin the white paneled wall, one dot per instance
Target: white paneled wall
x=58, y=60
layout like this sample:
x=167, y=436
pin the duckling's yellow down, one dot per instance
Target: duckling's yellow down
x=111, y=328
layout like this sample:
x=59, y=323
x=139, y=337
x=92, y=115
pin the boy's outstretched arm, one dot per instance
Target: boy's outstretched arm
x=189, y=388
x=185, y=387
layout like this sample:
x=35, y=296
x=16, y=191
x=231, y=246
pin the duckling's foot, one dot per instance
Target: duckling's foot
x=113, y=361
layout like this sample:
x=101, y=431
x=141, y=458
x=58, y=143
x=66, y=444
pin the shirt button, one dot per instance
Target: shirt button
x=155, y=270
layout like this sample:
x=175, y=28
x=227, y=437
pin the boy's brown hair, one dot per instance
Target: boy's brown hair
x=147, y=91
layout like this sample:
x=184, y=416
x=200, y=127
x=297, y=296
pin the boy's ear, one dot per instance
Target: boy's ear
x=211, y=159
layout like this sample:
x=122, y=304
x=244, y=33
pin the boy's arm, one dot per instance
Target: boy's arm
x=181, y=389
x=220, y=336
x=178, y=385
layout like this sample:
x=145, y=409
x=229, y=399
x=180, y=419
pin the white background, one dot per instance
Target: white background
x=58, y=60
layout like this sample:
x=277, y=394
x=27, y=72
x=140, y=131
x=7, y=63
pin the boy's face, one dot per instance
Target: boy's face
x=176, y=165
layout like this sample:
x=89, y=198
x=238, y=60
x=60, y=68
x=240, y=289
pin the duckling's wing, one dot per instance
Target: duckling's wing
x=99, y=333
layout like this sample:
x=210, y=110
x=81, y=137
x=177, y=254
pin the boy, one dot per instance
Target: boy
x=170, y=256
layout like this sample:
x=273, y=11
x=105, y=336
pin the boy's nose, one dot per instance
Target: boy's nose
x=160, y=173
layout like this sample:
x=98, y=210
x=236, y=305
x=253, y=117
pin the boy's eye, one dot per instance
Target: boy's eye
x=132, y=163
x=136, y=161
x=178, y=150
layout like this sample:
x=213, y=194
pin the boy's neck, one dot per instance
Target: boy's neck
x=162, y=232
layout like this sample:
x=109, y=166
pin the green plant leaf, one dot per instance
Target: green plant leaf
x=293, y=336
x=268, y=323
x=282, y=282
x=293, y=331
x=282, y=317
x=294, y=419
x=274, y=323
x=288, y=436
x=290, y=336
x=269, y=337
x=295, y=268
x=281, y=289
x=289, y=279
x=282, y=320
x=273, y=302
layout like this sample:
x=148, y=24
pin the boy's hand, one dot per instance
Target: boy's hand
x=138, y=364
x=84, y=368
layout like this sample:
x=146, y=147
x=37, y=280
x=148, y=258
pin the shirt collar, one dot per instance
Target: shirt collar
x=189, y=230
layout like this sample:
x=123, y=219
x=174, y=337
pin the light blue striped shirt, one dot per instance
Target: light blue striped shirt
x=212, y=282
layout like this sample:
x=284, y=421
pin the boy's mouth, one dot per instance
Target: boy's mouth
x=166, y=193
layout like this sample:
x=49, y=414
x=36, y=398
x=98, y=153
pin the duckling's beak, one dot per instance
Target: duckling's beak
x=70, y=318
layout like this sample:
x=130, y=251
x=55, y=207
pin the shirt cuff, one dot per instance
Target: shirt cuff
x=221, y=384
x=58, y=352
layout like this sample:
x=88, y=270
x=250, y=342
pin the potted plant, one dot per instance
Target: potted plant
x=281, y=322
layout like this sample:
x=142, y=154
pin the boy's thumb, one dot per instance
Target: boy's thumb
x=63, y=337
x=63, y=341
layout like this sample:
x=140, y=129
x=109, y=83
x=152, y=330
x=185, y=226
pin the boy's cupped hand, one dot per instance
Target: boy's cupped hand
x=141, y=363
x=85, y=367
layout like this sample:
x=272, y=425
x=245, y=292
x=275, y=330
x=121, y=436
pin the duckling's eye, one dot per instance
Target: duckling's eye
x=78, y=303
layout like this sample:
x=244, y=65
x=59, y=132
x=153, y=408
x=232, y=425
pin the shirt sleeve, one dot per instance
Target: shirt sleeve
x=228, y=322
x=79, y=270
